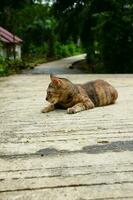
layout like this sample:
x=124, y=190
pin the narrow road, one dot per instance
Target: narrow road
x=58, y=156
x=59, y=66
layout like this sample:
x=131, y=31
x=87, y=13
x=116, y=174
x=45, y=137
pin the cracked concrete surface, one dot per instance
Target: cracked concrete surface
x=88, y=155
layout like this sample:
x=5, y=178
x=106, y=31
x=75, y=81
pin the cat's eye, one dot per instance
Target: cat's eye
x=49, y=93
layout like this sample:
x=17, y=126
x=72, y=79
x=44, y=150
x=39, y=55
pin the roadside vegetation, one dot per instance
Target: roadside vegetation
x=38, y=27
x=68, y=27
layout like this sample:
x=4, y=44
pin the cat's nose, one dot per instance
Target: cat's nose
x=46, y=98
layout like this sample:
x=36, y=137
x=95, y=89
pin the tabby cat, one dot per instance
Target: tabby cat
x=62, y=93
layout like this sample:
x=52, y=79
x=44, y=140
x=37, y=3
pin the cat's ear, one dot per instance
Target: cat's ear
x=55, y=80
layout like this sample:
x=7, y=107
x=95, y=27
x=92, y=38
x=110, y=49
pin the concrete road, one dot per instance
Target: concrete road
x=59, y=66
x=57, y=156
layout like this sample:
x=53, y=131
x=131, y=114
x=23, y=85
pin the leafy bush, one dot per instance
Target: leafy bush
x=3, y=70
x=3, y=67
x=16, y=66
x=8, y=67
x=38, y=50
x=64, y=50
x=72, y=48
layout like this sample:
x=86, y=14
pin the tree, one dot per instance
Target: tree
x=35, y=24
x=68, y=14
x=113, y=33
x=7, y=8
x=106, y=30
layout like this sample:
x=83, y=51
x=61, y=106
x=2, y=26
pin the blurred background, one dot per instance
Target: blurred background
x=38, y=31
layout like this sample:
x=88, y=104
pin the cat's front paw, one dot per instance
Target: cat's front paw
x=71, y=110
x=44, y=110
x=48, y=108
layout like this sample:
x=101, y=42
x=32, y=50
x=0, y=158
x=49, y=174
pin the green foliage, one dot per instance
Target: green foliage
x=8, y=67
x=16, y=66
x=40, y=30
x=117, y=47
x=61, y=50
x=38, y=50
x=35, y=25
x=69, y=16
x=7, y=8
x=3, y=67
x=110, y=31
x=106, y=31
x=64, y=50
x=41, y=34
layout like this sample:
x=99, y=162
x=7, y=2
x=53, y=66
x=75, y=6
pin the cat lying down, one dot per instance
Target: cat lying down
x=62, y=93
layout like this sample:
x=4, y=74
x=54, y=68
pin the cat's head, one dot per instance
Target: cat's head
x=58, y=90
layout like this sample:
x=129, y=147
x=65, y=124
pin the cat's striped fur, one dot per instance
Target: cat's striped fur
x=62, y=93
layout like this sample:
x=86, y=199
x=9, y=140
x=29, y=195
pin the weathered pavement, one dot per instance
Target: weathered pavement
x=57, y=156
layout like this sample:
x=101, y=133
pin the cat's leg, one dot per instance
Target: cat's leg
x=80, y=107
x=49, y=108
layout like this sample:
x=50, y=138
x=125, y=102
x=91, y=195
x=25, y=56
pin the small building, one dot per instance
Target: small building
x=10, y=45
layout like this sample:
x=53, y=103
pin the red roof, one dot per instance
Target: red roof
x=8, y=37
